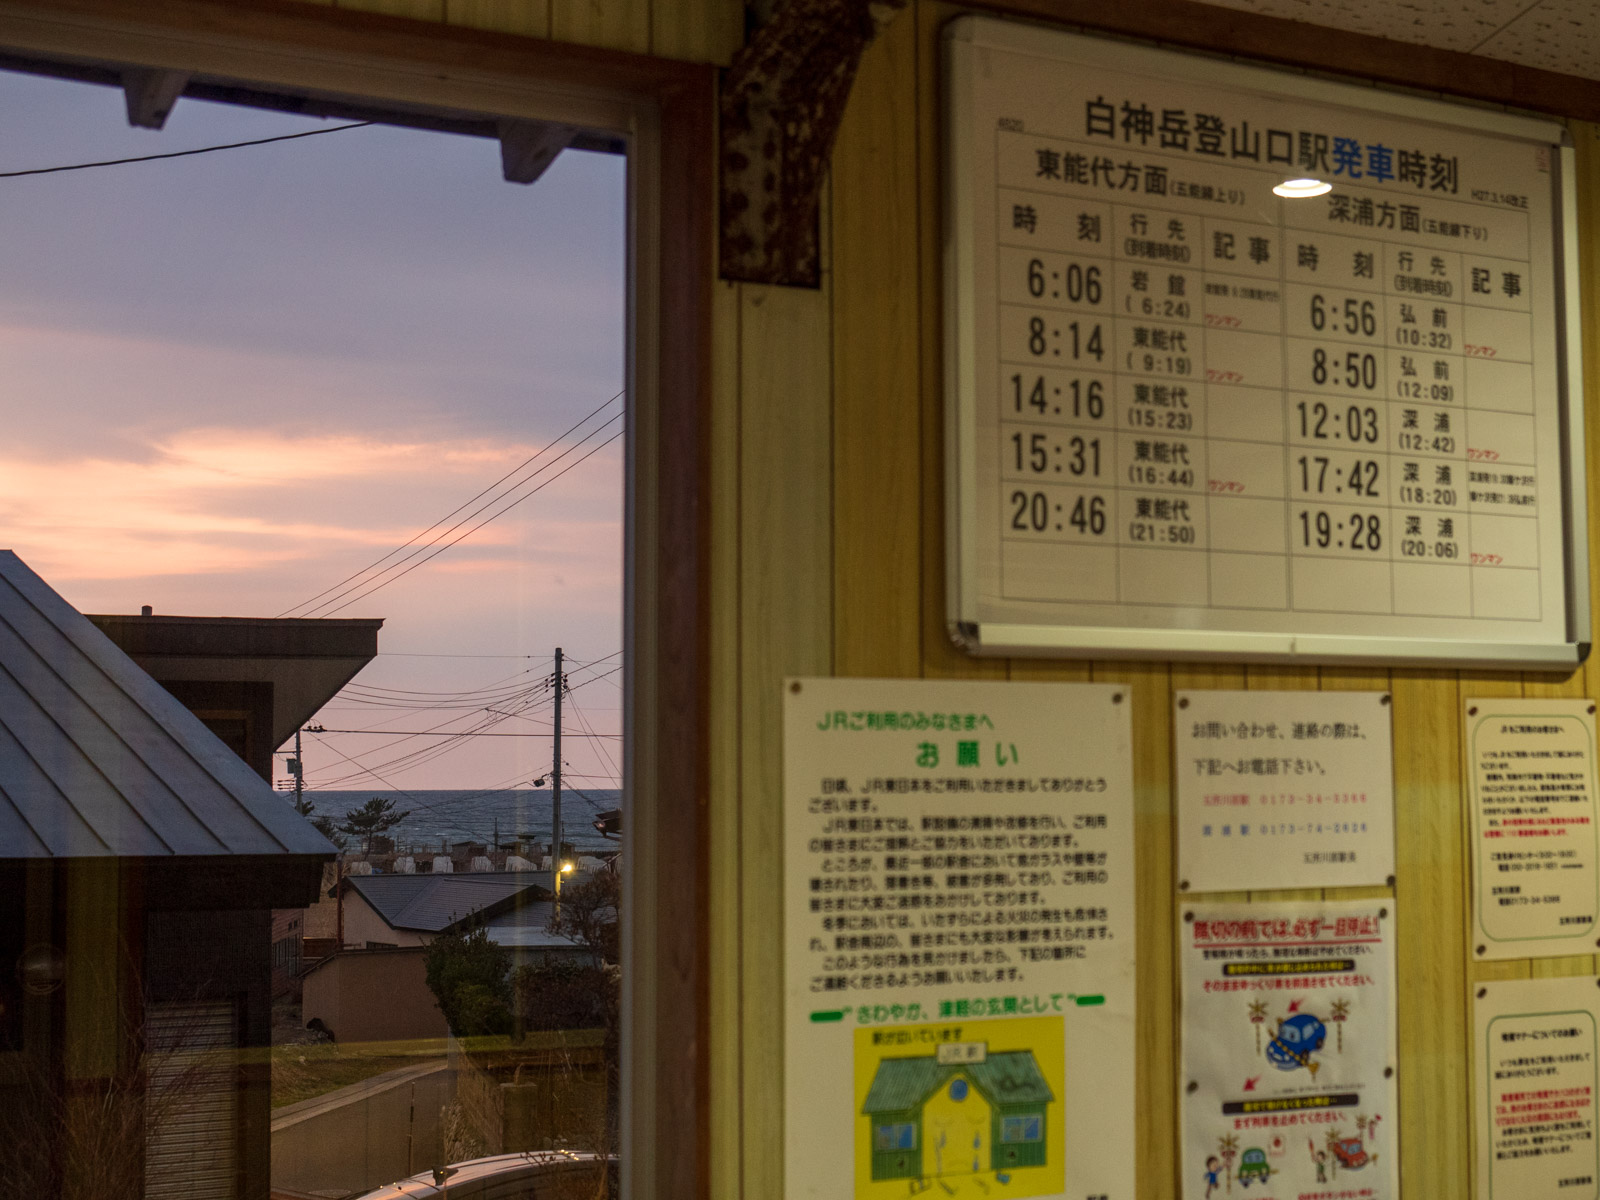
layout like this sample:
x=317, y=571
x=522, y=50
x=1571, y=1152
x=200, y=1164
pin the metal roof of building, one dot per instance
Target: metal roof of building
x=432, y=903
x=98, y=760
x=527, y=927
x=1009, y=1077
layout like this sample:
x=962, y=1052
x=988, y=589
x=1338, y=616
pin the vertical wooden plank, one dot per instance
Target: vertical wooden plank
x=727, y=860
x=1551, y=686
x=417, y=10
x=1476, y=684
x=697, y=30
x=877, y=431
x=93, y=1045
x=615, y=24
x=785, y=628
x=1150, y=693
x=1183, y=677
x=1586, y=142
x=1354, y=679
x=1431, y=936
x=940, y=656
x=530, y=18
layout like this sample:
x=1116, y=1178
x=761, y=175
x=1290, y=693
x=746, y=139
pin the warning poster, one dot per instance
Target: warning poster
x=1287, y=1089
x=959, y=962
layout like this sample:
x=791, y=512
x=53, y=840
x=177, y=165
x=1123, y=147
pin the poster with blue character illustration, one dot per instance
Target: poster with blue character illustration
x=1287, y=1088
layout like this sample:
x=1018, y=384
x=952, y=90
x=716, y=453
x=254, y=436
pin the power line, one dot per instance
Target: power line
x=408, y=795
x=311, y=605
x=447, y=733
x=487, y=520
x=409, y=654
x=117, y=162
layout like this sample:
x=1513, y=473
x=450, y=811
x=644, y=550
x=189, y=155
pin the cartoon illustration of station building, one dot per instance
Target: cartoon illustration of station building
x=939, y=1115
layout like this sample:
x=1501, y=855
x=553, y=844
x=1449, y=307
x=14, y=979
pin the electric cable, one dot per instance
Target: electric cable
x=117, y=162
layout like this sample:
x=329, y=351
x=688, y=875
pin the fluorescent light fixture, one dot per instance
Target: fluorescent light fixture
x=1302, y=189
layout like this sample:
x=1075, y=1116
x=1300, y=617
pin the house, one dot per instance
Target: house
x=252, y=681
x=999, y=1104
x=388, y=921
x=411, y=910
x=140, y=860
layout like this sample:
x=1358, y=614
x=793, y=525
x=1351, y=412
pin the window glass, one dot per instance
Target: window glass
x=321, y=428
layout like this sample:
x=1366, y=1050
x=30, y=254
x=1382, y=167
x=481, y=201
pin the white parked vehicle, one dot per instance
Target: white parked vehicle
x=529, y=1175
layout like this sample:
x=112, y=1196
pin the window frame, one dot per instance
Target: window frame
x=665, y=112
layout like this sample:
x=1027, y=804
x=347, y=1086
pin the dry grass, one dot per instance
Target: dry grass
x=302, y=1072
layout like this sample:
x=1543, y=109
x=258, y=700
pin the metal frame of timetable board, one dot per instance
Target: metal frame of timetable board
x=965, y=39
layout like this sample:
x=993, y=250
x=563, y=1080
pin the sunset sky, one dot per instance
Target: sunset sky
x=236, y=378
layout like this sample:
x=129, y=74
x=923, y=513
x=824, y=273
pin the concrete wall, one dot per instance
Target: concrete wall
x=373, y=996
x=363, y=1136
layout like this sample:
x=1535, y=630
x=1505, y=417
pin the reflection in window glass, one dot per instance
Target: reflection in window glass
x=309, y=874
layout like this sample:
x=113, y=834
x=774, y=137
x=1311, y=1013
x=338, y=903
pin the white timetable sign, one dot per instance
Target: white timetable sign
x=1188, y=416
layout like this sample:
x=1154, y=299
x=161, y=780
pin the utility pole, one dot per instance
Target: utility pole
x=299, y=776
x=555, y=791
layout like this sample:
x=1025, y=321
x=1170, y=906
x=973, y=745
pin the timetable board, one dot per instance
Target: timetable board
x=1187, y=417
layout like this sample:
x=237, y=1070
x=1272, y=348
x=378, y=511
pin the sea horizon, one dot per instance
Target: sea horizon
x=475, y=814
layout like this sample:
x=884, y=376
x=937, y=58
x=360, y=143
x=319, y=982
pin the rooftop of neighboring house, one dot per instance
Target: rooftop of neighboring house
x=99, y=760
x=431, y=903
x=527, y=927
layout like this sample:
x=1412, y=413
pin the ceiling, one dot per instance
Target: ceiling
x=1551, y=35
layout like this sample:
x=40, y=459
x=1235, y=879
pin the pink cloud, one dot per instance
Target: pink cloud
x=223, y=501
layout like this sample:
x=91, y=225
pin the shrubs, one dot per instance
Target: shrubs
x=467, y=974
x=561, y=994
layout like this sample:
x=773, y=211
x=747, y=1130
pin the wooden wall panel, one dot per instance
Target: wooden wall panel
x=883, y=344
x=877, y=434
x=785, y=620
x=614, y=24
x=725, y=830
x=697, y=30
x=1150, y=687
x=417, y=10
x=1430, y=934
x=529, y=18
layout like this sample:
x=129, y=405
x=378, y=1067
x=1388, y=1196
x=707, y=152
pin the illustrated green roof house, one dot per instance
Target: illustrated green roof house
x=1009, y=1083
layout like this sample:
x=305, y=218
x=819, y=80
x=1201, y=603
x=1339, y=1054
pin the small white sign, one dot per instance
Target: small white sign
x=1536, y=886
x=963, y=1052
x=959, y=971
x=1283, y=790
x=1535, y=1085
x=1288, y=1050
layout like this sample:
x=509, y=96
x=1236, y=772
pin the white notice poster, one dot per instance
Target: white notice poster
x=1283, y=790
x=1288, y=1050
x=959, y=940
x=1531, y=767
x=1534, y=1089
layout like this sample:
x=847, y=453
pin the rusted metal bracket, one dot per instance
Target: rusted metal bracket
x=782, y=100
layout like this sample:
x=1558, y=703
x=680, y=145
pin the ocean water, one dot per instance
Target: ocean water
x=458, y=816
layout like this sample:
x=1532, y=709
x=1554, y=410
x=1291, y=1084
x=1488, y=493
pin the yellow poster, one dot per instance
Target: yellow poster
x=964, y=1109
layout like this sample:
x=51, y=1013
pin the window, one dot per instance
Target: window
x=1020, y=1129
x=894, y=1137
x=674, y=741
